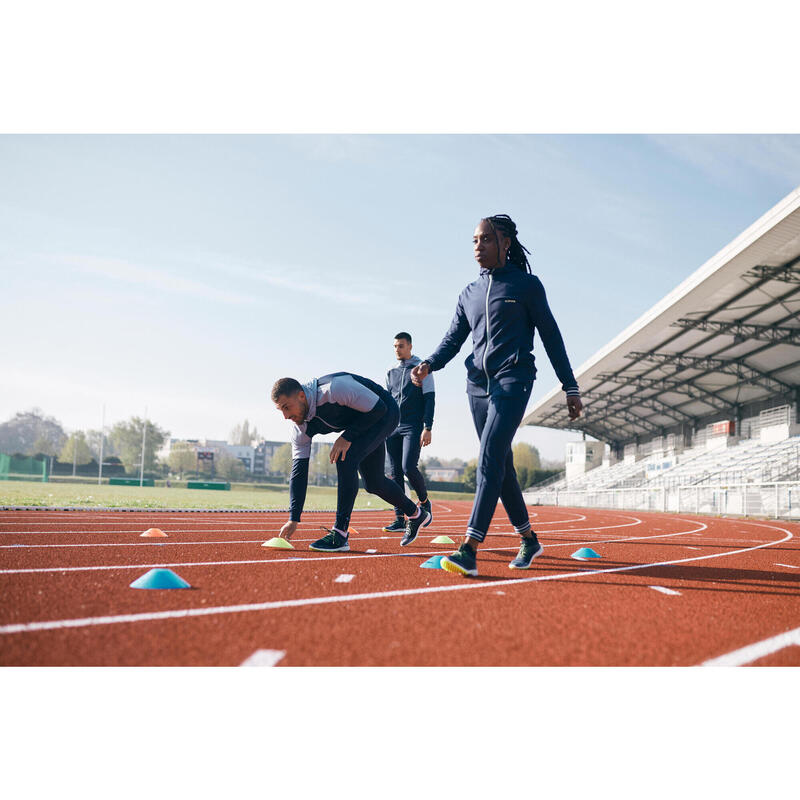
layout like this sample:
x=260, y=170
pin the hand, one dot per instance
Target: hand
x=419, y=373
x=340, y=447
x=574, y=407
x=425, y=439
x=287, y=530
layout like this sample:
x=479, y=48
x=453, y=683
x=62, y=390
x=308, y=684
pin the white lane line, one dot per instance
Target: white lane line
x=664, y=590
x=753, y=652
x=350, y=556
x=344, y=578
x=791, y=566
x=28, y=627
x=138, y=544
x=263, y=658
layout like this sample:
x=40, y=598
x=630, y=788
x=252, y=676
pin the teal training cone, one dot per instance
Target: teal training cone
x=442, y=540
x=279, y=544
x=433, y=563
x=586, y=552
x=160, y=579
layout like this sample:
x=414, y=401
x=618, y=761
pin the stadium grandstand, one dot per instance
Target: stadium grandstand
x=694, y=407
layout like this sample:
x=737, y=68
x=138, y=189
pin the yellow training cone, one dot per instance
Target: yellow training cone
x=278, y=543
x=151, y=533
x=442, y=540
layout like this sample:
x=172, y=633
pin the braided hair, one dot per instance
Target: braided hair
x=516, y=255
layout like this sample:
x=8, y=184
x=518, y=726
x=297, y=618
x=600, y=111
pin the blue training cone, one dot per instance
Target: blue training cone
x=585, y=552
x=160, y=579
x=433, y=563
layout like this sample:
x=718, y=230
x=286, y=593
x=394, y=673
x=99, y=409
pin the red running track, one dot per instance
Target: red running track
x=668, y=590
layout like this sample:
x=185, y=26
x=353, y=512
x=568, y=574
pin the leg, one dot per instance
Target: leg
x=506, y=407
x=411, y=448
x=394, y=447
x=376, y=482
x=510, y=492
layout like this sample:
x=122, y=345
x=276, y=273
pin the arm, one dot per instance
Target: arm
x=451, y=343
x=553, y=343
x=298, y=484
x=429, y=398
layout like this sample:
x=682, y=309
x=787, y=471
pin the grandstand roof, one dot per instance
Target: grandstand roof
x=727, y=336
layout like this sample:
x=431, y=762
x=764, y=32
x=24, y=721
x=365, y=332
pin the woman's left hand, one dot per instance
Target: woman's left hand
x=574, y=406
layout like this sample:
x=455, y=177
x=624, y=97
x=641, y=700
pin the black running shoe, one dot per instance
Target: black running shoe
x=528, y=550
x=426, y=506
x=398, y=525
x=413, y=526
x=334, y=542
x=462, y=562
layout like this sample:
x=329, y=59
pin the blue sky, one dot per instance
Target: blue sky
x=186, y=273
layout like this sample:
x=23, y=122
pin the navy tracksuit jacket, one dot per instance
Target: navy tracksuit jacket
x=502, y=309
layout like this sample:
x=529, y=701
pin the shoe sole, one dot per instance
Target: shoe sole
x=343, y=549
x=430, y=519
x=410, y=541
x=527, y=566
x=457, y=569
x=387, y=529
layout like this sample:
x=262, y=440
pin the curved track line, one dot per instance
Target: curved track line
x=753, y=652
x=28, y=627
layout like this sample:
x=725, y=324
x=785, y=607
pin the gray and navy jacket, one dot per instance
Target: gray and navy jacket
x=503, y=308
x=340, y=401
x=416, y=403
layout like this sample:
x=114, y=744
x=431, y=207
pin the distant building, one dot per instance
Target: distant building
x=450, y=474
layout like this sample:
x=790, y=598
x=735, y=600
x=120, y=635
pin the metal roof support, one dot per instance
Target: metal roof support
x=742, y=331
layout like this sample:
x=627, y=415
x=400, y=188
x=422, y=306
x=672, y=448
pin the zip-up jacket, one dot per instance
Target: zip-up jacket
x=340, y=401
x=416, y=403
x=503, y=308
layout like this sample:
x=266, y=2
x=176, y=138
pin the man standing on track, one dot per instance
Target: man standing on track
x=414, y=431
x=366, y=414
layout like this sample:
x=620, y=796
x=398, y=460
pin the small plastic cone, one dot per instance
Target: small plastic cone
x=433, y=563
x=442, y=540
x=160, y=579
x=584, y=553
x=278, y=543
x=152, y=533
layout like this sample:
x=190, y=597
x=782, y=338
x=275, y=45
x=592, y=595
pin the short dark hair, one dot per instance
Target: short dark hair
x=403, y=335
x=285, y=387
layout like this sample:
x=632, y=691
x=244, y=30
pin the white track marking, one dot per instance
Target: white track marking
x=372, y=551
x=344, y=578
x=664, y=590
x=753, y=652
x=791, y=566
x=28, y=627
x=263, y=658
x=350, y=556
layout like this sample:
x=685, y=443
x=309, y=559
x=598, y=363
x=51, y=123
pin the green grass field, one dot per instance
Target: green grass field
x=31, y=493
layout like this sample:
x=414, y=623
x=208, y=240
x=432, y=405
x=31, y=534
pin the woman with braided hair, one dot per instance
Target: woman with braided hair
x=502, y=308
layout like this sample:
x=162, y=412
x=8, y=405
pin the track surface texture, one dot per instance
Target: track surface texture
x=668, y=590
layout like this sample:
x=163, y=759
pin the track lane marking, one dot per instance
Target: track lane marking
x=29, y=627
x=263, y=658
x=753, y=652
x=664, y=590
x=316, y=559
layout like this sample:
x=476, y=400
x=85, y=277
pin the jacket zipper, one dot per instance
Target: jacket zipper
x=486, y=348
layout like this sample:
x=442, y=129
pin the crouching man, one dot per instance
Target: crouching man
x=366, y=414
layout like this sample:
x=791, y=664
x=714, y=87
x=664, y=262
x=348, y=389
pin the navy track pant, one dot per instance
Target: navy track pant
x=403, y=447
x=497, y=417
x=367, y=455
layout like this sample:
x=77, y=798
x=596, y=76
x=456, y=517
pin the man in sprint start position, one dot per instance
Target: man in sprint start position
x=414, y=431
x=366, y=414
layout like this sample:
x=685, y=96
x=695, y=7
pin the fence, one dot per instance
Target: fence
x=777, y=500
